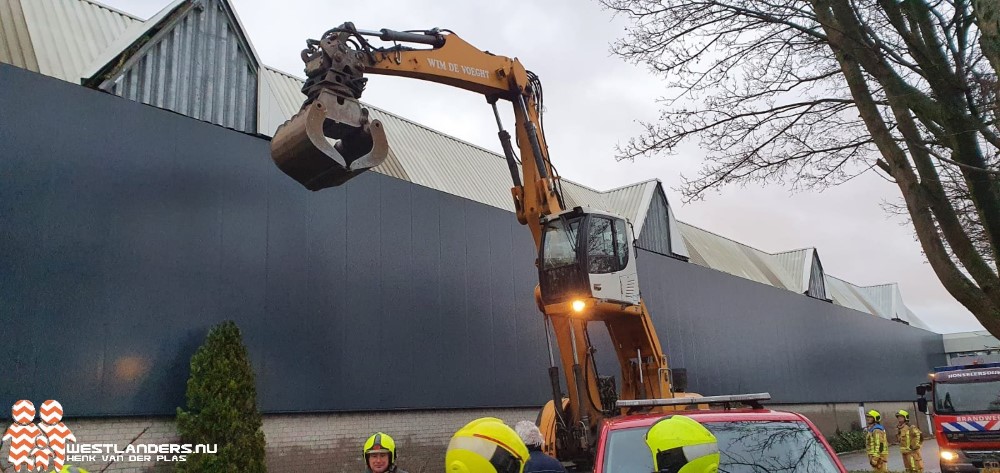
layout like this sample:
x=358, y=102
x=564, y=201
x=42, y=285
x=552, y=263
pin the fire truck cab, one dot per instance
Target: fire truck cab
x=965, y=407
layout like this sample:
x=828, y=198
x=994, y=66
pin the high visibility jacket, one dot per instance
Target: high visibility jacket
x=910, y=438
x=875, y=441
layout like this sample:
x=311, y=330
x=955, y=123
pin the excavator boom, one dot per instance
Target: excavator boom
x=335, y=68
x=587, y=269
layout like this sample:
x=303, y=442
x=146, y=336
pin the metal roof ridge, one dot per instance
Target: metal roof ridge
x=804, y=248
x=113, y=9
x=725, y=238
x=635, y=184
x=284, y=73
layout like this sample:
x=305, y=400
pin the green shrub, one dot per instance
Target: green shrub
x=849, y=441
x=222, y=407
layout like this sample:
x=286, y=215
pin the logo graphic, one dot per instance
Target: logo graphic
x=41, y=453
x=57, y=432
x=47, y=445
x=35, y=447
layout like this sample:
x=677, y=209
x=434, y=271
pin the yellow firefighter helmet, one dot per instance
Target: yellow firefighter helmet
x=680, y=444
x=486, y=445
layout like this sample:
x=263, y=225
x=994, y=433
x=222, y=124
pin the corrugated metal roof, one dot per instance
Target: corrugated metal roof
x=881, y=298
x=67, y=35
x=632, y=201
x=791, y=270
x=447, y=164
x=797, y=265
x=970, y=341
x=848, y=295
x=578, y=195
x=888, y=299
x=280, y=98
x=722, y=254
x=15, y=44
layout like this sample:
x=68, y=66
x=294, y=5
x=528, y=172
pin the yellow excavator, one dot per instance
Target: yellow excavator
x=586, y=258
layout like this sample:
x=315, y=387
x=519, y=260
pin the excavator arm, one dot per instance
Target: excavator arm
x=335, y=66
x=586, y=258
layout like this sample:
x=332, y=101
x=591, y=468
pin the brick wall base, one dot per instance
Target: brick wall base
x=315, y=443
x=332, y=442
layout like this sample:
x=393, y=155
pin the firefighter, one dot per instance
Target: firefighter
x=380, y=454
x=485, y=445
x=680, y=444
x=910, y=441
x=875, y=442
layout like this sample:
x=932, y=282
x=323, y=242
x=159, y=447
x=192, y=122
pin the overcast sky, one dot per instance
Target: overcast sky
x=593, y=102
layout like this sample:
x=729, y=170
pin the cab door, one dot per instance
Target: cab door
x=609, y=260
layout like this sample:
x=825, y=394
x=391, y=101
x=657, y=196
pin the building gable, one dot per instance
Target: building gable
x=193, y=58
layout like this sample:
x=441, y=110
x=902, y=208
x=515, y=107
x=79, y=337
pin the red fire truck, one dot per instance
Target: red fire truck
x=965, y=405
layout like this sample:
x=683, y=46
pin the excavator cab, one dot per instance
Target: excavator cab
x=587, y=254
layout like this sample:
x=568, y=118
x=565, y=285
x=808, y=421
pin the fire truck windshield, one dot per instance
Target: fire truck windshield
x=967, y=398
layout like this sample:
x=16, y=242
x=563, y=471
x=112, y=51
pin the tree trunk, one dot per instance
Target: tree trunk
x=988, y=19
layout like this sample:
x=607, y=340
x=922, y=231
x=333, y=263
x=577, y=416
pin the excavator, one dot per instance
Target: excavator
x=586, y=258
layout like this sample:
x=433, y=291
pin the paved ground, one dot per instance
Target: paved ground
x=859, y=461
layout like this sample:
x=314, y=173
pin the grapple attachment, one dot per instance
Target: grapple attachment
x=303, y=146
x=331, y=139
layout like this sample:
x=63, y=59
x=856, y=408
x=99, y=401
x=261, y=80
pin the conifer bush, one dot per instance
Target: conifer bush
x=222, y=407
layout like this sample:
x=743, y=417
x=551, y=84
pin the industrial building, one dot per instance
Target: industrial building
x=141, y=208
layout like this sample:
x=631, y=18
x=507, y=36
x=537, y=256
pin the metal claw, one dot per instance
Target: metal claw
x=303, y=148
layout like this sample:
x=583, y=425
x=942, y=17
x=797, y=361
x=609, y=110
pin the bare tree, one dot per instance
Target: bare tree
x=814, y=92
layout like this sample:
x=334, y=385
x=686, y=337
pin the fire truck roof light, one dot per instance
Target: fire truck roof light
x=679, y=401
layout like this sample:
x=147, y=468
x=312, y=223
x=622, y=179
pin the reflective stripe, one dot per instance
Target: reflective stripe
x=479, y=446
x=505, y=446
x=692, y=452
x=503, y=460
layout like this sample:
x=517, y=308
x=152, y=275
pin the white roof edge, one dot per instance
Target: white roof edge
x=677, y=244
x=647, y=181
x=282, y=72
x=108, y=7
x=127, y=39
x=807, y=269
x=647, y=197
x=243, y=32
x=804, y=248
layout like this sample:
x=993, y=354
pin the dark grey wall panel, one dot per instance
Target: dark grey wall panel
x=736, y=335
x=133, y=230
x=127, y=231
